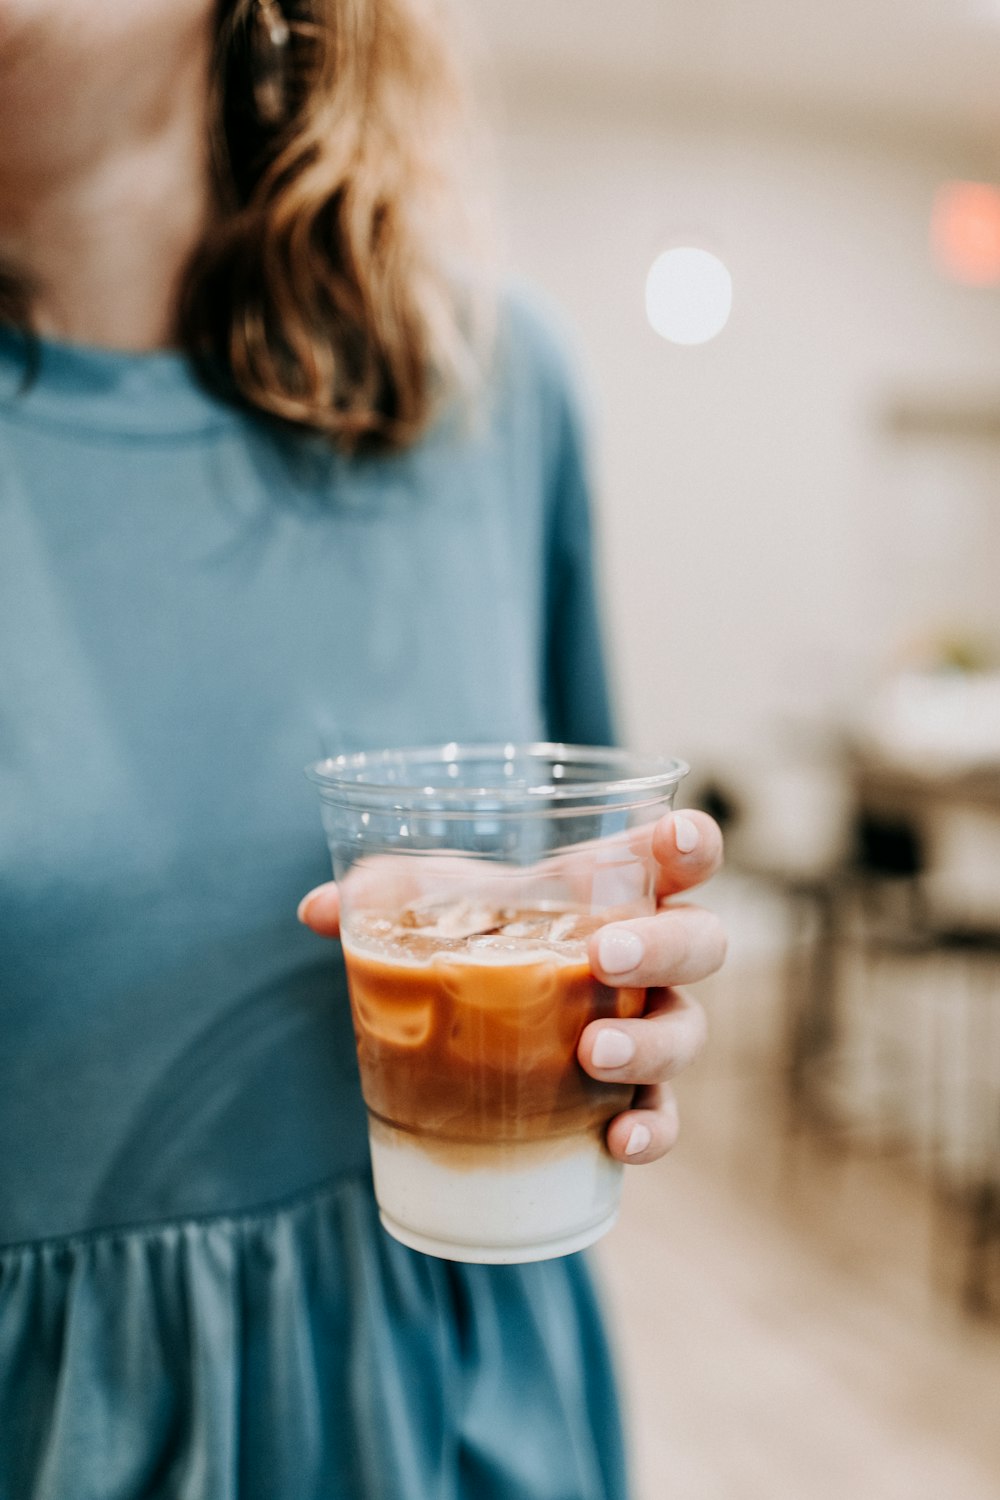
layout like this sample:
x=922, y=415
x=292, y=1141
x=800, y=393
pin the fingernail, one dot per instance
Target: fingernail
x=686, y=835
x=638, y=1140
x=619, y=950
x=302, y=911
x=612, y=1049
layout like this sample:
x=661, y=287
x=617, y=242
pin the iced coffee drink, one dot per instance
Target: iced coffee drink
x=471, y=880
x=486, y=1133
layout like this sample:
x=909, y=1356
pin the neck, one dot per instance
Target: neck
x=104, y=183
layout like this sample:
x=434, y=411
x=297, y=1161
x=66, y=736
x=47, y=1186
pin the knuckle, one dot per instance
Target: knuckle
x=712, y=944
x=668, y=1124
x=719, y=939
x=671, y=1129
x=687, y=1041
x=676, y=954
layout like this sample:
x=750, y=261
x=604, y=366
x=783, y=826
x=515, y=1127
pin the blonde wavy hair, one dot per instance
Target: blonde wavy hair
x=331, y=290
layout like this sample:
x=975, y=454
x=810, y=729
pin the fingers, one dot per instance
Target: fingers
x=320, y=910
x=649, y=1049
x=679, y=945
x=648, y=1130
x=687, y=847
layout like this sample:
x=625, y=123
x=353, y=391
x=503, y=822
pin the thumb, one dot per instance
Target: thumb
x=320, y=910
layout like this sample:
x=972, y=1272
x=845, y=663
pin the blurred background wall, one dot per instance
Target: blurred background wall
x=800, y=542
x=769, y=545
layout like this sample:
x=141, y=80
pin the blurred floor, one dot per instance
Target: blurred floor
x=786, y=1313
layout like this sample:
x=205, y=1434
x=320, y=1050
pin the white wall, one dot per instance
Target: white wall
x=766, y=546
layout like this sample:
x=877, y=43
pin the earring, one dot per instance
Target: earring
x=269, y=39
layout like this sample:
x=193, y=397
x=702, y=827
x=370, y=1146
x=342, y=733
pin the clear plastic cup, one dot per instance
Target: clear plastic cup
x=471, y=878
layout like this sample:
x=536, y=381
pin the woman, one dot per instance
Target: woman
x=315, y=542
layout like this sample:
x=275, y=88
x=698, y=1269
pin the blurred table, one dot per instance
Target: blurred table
x=880, y=782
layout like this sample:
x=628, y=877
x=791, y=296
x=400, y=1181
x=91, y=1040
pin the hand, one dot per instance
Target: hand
x=679, y=945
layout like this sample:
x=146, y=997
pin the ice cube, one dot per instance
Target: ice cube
x=419, y=917
x=562, y=926
x=464, y=920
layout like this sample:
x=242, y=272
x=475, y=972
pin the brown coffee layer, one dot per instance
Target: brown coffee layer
x=473, y=1038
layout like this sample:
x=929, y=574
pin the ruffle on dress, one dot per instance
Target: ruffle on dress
x=298, y=1353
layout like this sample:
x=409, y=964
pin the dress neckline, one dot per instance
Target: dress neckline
x=83, y=386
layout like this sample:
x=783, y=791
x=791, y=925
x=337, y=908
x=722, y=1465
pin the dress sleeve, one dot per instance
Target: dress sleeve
x=578, y=703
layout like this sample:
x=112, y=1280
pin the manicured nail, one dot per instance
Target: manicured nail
x=638, y=1140
x=686, y=835
x=612, y=1049
x=619, y=950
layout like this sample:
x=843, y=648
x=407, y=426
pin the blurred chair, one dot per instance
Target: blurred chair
x=966, y=1100
x=892, y=985
x=925, y=968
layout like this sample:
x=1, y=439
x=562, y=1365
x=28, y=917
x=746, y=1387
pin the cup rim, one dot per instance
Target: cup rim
x=342, y=777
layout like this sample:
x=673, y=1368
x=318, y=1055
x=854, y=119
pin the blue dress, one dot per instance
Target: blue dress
x=197, y=1301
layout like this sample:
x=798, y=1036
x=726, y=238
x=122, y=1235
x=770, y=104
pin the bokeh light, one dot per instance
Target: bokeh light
x=689, y=295
x=965, y=232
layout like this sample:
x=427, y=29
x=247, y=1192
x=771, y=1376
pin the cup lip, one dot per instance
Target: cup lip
x=341, y=777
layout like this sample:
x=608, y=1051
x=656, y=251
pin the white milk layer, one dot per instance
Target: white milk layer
x=553, y=1204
